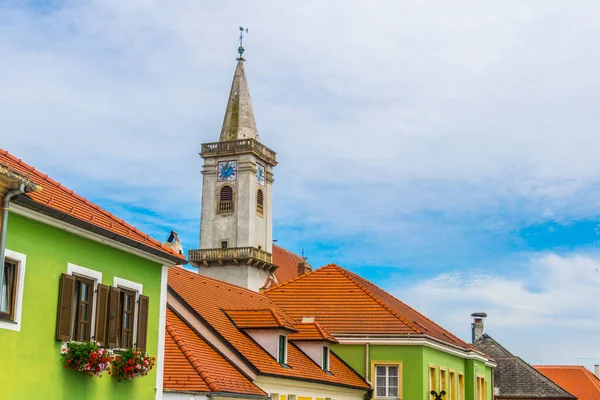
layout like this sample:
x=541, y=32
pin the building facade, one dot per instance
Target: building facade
x=74, y=272
x=400, y=352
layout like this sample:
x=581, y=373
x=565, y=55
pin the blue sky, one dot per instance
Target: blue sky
x=445, y=150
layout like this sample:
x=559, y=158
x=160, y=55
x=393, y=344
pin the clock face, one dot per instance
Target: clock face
x=260, y=174
x=227, y=171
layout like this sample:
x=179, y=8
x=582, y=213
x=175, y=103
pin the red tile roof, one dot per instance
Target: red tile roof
x=311, y=331
x=287, y=263
x=209, y=297
x=57, y=197
x=253, y=318
x=576, y=379
x=345, y=303
x=193, y=365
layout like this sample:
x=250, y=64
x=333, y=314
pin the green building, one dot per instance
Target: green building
x=109, y=279
x=400, y=352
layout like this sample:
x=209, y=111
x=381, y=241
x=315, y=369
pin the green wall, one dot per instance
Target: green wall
x=30, y=365
x=415, y=366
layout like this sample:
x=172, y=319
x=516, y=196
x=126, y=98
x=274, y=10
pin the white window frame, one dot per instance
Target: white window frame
x=96, y=276
x=285, y=350
x=20, y=260
x=387, y=375
x=138, y=288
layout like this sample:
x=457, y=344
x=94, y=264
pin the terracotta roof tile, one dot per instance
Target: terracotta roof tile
x=193, y=365
x=60, y=198
x=253, y=318
x=576, y=379
x=287, y=263
x=310, y=331
x=345, y=303
x=209, y=297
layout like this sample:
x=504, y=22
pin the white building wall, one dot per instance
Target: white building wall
x=295, y=389
x=314, y=350
x=268, y=339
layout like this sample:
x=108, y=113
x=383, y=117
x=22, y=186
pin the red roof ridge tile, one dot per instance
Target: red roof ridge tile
x=192, y=360
x=323, y=331
x=277, y=317
x=352, y=277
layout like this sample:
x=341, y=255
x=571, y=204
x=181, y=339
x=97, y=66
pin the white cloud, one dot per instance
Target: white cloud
x=548, y=315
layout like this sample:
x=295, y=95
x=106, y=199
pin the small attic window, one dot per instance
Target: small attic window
x=325, y=358
x=259, y=202
x=225, y=199
x=282, y=350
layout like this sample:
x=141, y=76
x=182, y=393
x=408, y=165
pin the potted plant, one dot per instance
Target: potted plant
x=131, y=363
x=86, y=357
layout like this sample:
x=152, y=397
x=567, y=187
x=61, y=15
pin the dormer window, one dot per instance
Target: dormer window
x=282, y=350
x=225, y=200
x=259, y=202
x=325, y=364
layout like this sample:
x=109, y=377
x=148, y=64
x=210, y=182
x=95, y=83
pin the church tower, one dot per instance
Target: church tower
x=236, y=220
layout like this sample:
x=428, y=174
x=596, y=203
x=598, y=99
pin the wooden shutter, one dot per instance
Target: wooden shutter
x=65, y=307
x=101, y=314
x=114, y=306
x=142, y=326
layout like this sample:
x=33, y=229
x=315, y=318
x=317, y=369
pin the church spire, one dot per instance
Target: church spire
x=239, y=120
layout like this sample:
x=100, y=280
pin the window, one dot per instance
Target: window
x=281, y=353
x=259, y=202
x=443, y=381
x=461, y=386
x=127, y=315
x=386, y=381
x=223, y=244
x=9, y=291
x=82, y=301
x=432, y=379
x=82, y=308
x=452, y=386
x=225, y=200
x=481, y=388
x=326, y=358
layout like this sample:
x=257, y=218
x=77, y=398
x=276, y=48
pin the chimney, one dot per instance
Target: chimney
x=173, y=242
x=477, y=325
x=304, y=268
x=597, y=371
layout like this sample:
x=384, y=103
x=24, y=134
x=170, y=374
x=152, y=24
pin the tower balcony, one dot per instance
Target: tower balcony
x=230, y=147
x=235, y=255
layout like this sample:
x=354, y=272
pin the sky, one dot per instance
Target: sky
x=445, y=150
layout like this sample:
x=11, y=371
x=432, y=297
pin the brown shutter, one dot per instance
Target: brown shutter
x=65, y=307
x=101, y=314
x=142, y=327
x=113, y=316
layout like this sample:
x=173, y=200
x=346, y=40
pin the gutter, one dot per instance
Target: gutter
x=6, y=203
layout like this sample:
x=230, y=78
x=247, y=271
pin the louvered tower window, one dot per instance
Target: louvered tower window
x=259, y=202
x=225, y=199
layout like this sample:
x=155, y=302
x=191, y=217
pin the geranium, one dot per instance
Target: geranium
x=86, y=357
x=132, y=363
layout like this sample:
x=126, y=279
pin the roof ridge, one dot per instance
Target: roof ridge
x=323, y=331
x=352, y=277
x=277, y=317
x=192, y=359
x=84, y=200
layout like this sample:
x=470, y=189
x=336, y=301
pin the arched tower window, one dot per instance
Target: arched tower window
x=225, y=199
x=259, y=202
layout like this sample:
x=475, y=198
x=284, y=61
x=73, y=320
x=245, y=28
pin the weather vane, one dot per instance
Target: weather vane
x=241, y=48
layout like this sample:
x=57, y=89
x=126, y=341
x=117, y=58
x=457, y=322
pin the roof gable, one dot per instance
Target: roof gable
x=345, y=303
x=287, y=264
x=515, y=378
x=73, y=208
x=209, y=298
x=577, y=379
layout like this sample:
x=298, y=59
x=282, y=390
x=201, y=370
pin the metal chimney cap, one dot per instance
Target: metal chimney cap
x=479, y=314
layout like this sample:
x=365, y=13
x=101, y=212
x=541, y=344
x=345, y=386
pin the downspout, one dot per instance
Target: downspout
x=367, y=369
x=7, y=198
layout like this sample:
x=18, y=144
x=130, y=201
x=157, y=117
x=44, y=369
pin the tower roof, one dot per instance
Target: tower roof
x=239, y=122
